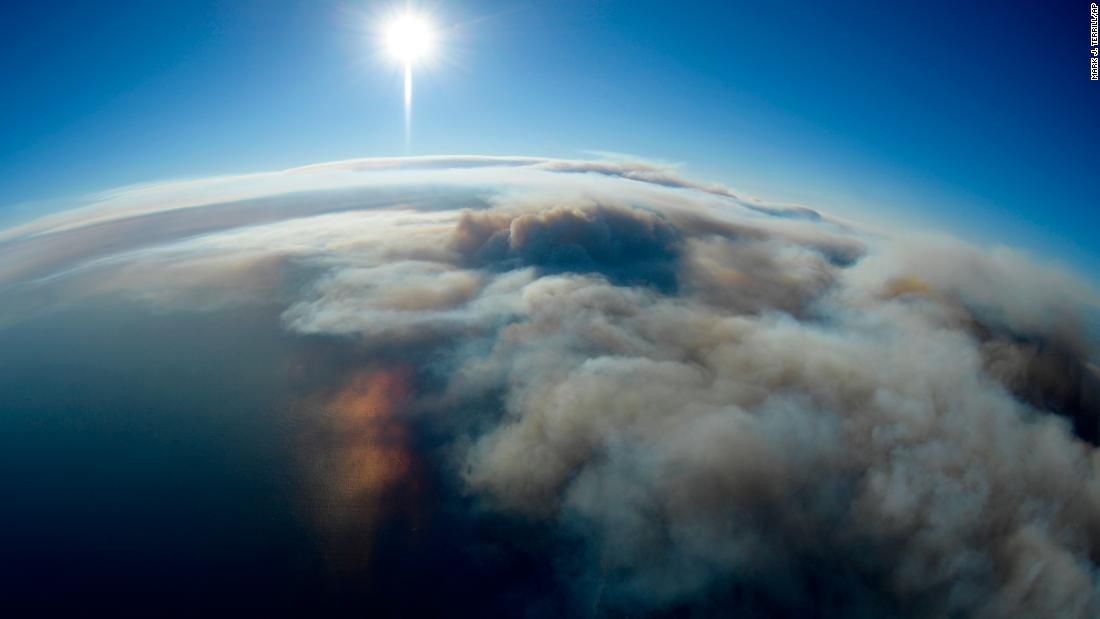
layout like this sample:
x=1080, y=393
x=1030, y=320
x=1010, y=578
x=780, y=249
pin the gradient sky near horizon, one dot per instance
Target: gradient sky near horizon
x=978, y=118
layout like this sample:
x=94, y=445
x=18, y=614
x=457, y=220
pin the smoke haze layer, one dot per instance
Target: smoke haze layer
x=536, y=387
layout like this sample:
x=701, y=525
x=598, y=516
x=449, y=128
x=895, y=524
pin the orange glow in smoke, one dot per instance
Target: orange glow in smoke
x=365, y=471
x=372, y=443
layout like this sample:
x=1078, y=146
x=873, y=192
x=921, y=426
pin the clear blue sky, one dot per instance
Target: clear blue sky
x=976, y=117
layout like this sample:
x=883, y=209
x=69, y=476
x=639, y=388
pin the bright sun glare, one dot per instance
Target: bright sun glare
x=409, y=38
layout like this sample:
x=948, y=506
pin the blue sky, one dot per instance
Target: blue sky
x=974, y=117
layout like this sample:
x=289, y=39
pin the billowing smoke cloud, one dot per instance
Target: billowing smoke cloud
x=681, y=400
x=626, y=246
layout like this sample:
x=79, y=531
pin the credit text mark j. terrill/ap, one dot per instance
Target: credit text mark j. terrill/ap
x=1094, y=43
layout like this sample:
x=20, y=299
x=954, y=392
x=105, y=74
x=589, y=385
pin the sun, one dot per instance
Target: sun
x=409, y=38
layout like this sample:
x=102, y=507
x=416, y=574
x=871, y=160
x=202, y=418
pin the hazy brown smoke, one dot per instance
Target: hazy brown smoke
x=732, y=405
